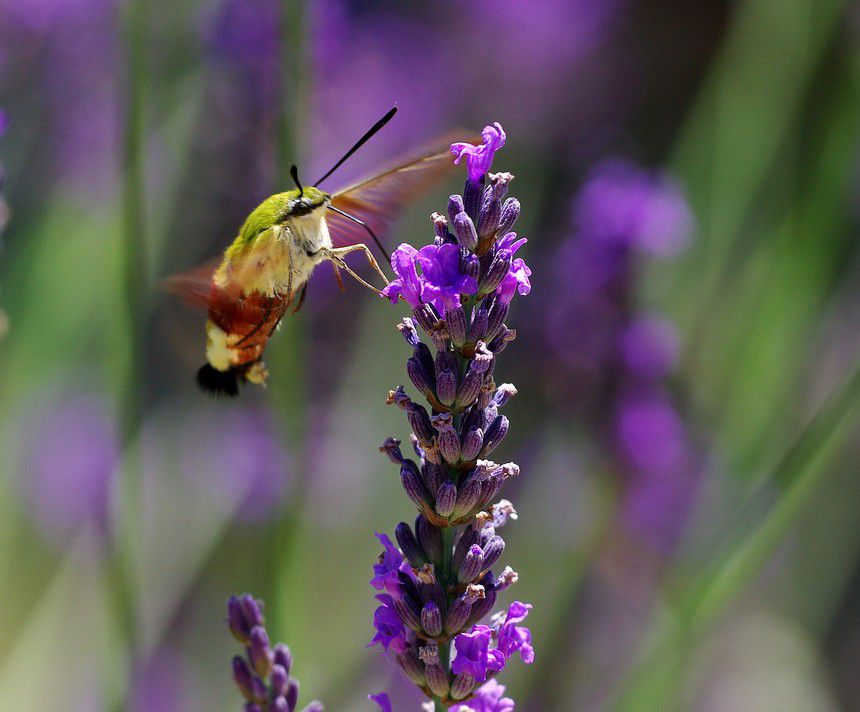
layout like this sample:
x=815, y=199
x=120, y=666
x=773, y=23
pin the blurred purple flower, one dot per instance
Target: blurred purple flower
x=71, y=457
x=235, y=455
x=77, y=79
x=617, y=359
x=639, y=209
x=162, y=684
x=650, y=346
x=4, y=122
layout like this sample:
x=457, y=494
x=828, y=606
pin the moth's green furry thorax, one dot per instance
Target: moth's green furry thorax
x=276, y=209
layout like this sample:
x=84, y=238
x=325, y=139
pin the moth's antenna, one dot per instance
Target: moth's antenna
x=363, y=140
x=294, y=174
x=365, y=226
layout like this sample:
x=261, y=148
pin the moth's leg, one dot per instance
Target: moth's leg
x=338, y=260
x=341, y=252
x=338, y=277
x=301, y=297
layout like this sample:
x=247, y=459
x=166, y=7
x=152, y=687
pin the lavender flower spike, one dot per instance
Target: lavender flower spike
x=439, y=585
x=263, y=677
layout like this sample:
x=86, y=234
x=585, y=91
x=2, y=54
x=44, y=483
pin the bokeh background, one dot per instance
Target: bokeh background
x=689, y=526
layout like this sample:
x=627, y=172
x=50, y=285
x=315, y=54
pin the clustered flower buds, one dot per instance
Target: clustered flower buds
x=437, y=583
x=263, y=674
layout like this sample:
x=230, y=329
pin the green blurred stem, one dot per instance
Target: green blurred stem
x=134, y=286
x=292, y=392
x=799, y=472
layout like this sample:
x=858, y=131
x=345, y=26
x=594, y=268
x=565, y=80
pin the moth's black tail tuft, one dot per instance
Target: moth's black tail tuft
x=218, y=383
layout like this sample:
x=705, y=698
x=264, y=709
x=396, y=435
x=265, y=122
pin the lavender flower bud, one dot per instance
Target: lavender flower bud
x=292, y=695
x=426, y=317
x=503, y=394
x=470, y=387
x=419, y=376
x=437, y=680
x=499, y=267
x=491, y=210
x=493, y=550
x=411, y=666
x=495, y=434
x=408, y=613
x=497, y=315
x=419, y=421
x=483, y=358
x=253, y=612
x=465, y=231
x=430, y=539
x=251, y=686
x=461, y=608
x=472, y=444
x=472, y=565
x=462, y=686
x=510, y=213
x=278, y=680
x=502, y=339
x=446, y=360
x=457, y=327
x=433, y=593
x=472, y=191
x=259, y=651
x=449, y=441
x=446, y=498
x=471, y=266
x=455, y=207
x=409, y=545
x=467, y=498
x=482, y=607
x=315, y=706
x=411, y=481
x=431, y=619
x=468, y=538
x=478, y=328
x=446, y=387
x=236, y=620
x=434, y=475
x=252, y=707
x=283, y=657
x=279, y=704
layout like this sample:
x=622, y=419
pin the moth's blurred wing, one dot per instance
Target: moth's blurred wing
x=378, y=200
x=193, y=287
x=217, y=285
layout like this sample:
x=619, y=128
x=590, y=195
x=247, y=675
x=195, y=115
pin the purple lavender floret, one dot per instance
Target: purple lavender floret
x=480, y=158
x=263, y=673
x=439, y=584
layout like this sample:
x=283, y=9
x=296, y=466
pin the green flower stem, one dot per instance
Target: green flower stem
x=134, y=291
x=799, y=472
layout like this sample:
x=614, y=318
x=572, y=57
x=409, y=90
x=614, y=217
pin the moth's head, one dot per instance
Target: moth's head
x=305, y=201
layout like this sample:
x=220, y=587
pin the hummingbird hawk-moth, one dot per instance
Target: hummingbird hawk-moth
x=264, y=272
